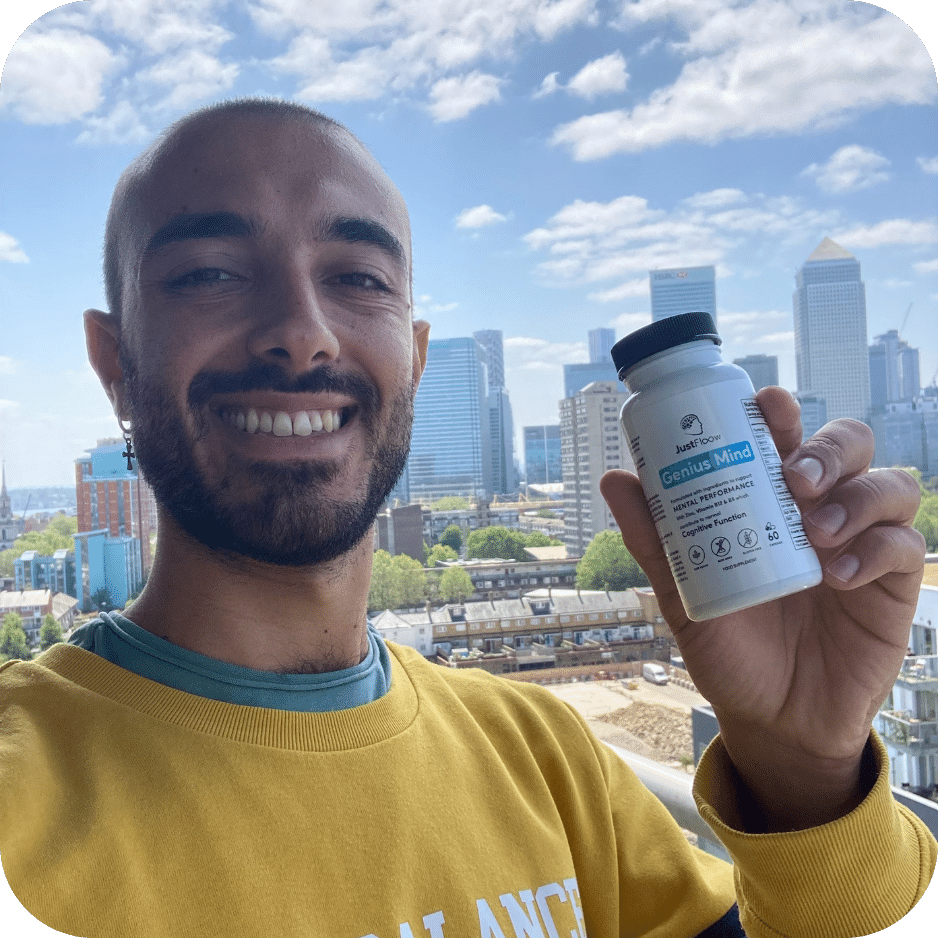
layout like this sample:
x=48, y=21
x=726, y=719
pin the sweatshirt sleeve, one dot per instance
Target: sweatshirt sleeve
x=854, y=876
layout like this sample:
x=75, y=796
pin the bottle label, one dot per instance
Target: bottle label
x=714, y=484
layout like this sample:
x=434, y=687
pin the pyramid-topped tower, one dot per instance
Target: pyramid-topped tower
x=831, y=342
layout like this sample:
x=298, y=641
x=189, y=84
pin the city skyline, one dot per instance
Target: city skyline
x=609, y=163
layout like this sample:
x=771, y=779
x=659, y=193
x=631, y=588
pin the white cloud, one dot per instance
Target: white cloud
x=637, y=287
x=56, y=76
x=162, y=26
x=424, y=306
x=10, y=250
x=891, y=231
x=629, y=322
x=478, y=217
x=850, y=168
x=769, y=67
x=531, y=352
x=621, y=240
x=193, y=75
x=600, y=76
x=927, y=267
x=455, y=98
x=362, y=49
x=122, y=125
x=550, y=19
x=928, y=165
x=8, y=366
x=716, y=198
x=548, y=86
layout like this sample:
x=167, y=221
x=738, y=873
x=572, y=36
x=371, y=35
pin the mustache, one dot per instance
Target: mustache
x=269, y=377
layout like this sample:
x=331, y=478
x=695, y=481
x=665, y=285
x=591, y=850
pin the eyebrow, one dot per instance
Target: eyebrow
x=354, y=230
x=231, y=225
x=201, y=225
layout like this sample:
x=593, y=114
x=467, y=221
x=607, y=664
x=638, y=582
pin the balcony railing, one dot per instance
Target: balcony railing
x=903, y=730
x=920, y=672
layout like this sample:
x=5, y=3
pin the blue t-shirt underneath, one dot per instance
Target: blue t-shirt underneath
x=125, y=644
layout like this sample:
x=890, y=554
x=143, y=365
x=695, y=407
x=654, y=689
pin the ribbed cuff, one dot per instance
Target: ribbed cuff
x=854, y=876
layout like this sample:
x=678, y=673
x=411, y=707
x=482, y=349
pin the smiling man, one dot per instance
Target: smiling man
x=241, y=755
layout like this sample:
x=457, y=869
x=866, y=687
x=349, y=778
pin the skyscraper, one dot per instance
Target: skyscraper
x=601, y=343
x=450, y=451
x=591, y=441
x=683, y=290
x=542, y=454
x=494, y=348
x=894, y=371
x=762, y=369
x=501, y=425
x=831, y=355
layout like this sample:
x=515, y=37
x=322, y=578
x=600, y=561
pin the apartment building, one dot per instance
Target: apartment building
x=534, y=630
x=591, y=442
x=908, y=720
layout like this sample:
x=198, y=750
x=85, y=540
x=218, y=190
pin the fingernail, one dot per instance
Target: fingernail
x=844, y=567
x=810, y=468
x=830, y=519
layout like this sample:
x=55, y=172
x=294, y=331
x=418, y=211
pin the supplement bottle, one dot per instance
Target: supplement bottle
x=710, y=470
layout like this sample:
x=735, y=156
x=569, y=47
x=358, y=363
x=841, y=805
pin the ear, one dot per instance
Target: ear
x=102, y=337
x=421, y=342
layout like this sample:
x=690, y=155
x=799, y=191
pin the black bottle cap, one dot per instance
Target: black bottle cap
x=662, y=335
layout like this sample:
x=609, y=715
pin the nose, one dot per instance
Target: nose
x=294, y=330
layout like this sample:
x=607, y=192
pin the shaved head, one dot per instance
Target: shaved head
x=122, y=230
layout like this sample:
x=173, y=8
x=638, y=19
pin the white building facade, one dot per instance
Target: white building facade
x=831, y=351
x=908, y=720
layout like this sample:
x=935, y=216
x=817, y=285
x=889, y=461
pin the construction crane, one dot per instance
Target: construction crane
x=905, y=318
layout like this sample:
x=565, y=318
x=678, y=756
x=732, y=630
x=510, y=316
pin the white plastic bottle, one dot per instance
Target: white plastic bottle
x=710, y=470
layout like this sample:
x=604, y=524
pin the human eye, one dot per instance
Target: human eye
x=362, y=281
x=200, y=277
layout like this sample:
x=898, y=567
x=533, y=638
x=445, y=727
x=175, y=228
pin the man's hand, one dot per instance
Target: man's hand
x=795, y=683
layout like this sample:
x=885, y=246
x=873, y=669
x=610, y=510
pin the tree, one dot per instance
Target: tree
x=411, y=580
x=926, y=519
x=607, y=565
x=455, y=585
x=441, y=552
x=384, y=592
x=101, y=600
x=496, y=542
x=13, y=641
x=452, y=537
x=51, y=632
x=539, y=539
x=58, y=533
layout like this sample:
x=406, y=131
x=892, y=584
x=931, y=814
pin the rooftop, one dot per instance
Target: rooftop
x=829, y=250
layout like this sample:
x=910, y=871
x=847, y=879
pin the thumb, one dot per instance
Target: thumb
x=626, y=500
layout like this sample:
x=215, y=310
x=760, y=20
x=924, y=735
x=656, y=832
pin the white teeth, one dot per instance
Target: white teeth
x=283, y=426
x=303, y=423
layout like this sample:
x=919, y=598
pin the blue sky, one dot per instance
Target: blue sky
x=551, y=152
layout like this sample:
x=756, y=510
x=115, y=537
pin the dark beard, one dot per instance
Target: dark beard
x=285, y=519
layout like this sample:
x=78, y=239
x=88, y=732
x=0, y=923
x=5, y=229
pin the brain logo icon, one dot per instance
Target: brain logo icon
x=691, y=425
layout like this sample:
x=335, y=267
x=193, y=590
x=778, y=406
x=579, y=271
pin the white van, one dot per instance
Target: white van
x=655, y=673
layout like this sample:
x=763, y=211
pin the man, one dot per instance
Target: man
x=241, y=755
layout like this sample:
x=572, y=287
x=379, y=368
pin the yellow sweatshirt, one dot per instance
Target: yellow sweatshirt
x=458, y=805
